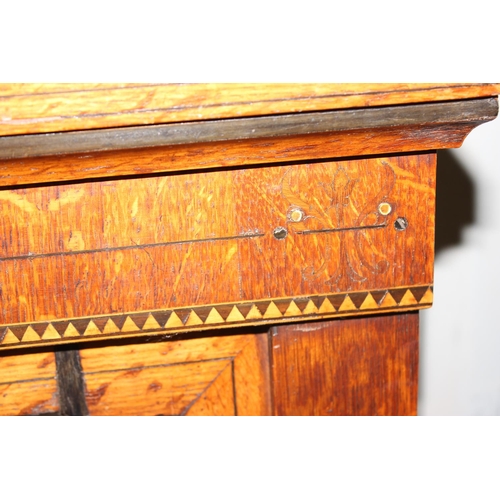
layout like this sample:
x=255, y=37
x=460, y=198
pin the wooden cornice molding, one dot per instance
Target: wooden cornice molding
x=469, y=112
x=39, y=108
x=71, y=156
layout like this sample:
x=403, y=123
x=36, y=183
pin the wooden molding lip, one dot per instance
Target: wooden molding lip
x=472, y=112
x=258, y=312
x=55, y=107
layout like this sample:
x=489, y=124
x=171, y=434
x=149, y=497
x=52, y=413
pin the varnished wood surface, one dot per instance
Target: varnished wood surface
x=365, y=366
x=28, y=384
x=203, y=250
x=226, y=375
x=206, y=318
x=143, y=256
x=472, y=112
x=220, y=375
x=417, y=131
x=38, y=108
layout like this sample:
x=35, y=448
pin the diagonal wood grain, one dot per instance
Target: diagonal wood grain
x=218, y=399
x=165, y=390
x=206, y=376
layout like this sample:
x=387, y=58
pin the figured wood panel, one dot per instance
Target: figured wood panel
x=153, y=390
x=365, y=366
x=226, y=375
x=205, y=250
x=33, y=108
x=218, y=399
x=28, y=384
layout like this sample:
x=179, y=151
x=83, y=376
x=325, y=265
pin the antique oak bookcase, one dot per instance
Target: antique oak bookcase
x=220, y=249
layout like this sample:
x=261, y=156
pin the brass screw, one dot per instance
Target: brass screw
x=384, y=208
x=296, y=215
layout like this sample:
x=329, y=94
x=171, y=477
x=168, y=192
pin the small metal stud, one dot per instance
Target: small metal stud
x=384, y=208
x=295, y=215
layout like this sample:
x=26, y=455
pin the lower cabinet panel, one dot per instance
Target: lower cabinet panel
x=226, y=375
x=28, y=384
x=366, y=366
x=360, y=366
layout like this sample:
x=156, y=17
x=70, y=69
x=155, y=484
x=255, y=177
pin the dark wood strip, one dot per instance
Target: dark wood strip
x=70, y=383
x=452, y=112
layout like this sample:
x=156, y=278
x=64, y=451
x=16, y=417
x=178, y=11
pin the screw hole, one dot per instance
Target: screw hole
x=280, y=233
x=400, y=224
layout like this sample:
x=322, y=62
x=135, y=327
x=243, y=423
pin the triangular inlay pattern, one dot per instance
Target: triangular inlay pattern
x=398, y=294
x=347, y=305
x=183, y=314
x=61, y=326
x=326, y=307
x=174, y=320
x=378, y=295
x=140, y=319
x=301, y=303
x=119, y=321
x=101, y=323
x=161, y=317
x=418, y=292
x=262, y=306
x=81, y=325
x=282, y=305
x=244, y=309
x=203, y=312
x=369, y=303
x=31, y=335
x=39, y=328
x=293, y=310
x=18, y=331
x=337, y=300
x=224, y=310
x=358, y=298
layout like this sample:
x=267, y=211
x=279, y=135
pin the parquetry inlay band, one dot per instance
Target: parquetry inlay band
x=216, y=316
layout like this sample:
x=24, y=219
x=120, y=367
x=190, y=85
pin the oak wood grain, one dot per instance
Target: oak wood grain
x=28, y=384
x=218, y=398
x=422, y=133
x=221, y=375
x=35, y=108
x=365, y=366
x=151, y=390
x=471, y=111
x=209, y=238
